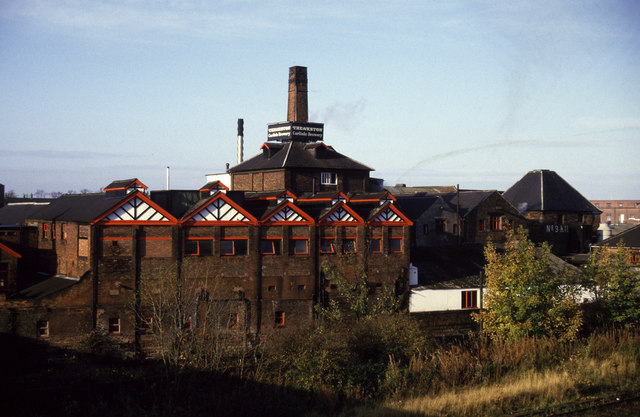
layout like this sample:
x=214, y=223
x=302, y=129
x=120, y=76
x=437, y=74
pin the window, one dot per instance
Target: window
x=441, y=225
x=469, y=299
x=114, y=325
x=326, y=245
x=481, y=225
x=395, y=244
x=234, y=319
x=42, y=328
x=375, y=245
x=425, y=229
x=635, y=258
x=328, y=178
x=608, y=217
x=299, y=246
x=496, y=222
x=621, y=218
x=146, y=326
x=349, y=245
x=45, y=231
x=279, y=319
x=198, y=247
x=64, y=231
x=270, y=246
x=301, y=287
x=114, y=243
x=619, y=204
x=4, y=276
x=233, y=247
x=53, y=230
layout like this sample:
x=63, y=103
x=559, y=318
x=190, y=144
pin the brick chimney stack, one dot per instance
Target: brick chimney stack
x=297, y=110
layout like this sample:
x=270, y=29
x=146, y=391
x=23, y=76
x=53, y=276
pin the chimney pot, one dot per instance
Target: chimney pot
x=297, y=110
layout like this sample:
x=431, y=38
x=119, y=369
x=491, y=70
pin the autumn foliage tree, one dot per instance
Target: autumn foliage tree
x=525, y=296
x=615, y=284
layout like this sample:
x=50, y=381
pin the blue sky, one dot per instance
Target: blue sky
x=474, y=93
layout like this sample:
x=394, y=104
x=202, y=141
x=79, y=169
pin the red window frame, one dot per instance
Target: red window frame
x=635, y=258
x=53, y=231
x=114, y=325
x=45, y=230
x=378, y=239
x=496, y=222
x=275, y=250
x=349, y=239
x=146, y=325
x=331, y=241
x=279, y=318
x=395, y=239
x=198, y=240
x=233, y=241
x=295, y=248
x=64, y=231
x=42, y=328
x=470, y=299
x=234, y=320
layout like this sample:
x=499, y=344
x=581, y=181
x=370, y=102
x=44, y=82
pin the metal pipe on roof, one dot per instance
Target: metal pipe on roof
x=240, y=140
x=168, y=174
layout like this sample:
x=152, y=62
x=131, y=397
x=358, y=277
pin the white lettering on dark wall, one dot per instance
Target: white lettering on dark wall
x=557, y=228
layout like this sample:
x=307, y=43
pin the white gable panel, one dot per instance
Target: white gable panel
x=219, y=210
x=286, y=214
x=340, y=215
x=387, y=215
x=136, y=209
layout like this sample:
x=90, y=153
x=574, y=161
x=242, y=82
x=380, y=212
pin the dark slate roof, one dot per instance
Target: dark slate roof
x=423, y=190
x=299, y=155
x=15, y=214
x=630, y=238
x=176, y=202
x=77, y=207
x=469, y=200
x=413, y=207
x=449, y=267
x=47, y=287
x=545, y=190
x=122, y=183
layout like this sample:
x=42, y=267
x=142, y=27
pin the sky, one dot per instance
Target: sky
x=475, y=93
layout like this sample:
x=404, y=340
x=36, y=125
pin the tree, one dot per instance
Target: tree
x=353, y=298
x=55, y=194
x=609, y=275
x=524, y=295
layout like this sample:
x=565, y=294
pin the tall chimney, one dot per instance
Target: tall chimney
x=240, y=140
x=168, y=170
x=297, y=110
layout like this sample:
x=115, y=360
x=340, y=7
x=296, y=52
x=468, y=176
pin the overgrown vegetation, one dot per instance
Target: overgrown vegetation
x=525, y=296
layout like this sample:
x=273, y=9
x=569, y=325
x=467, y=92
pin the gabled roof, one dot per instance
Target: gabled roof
x=413, y=207
x=217, y=208
x=125, y=184
x=77, y=207
x=214, y=186
x=545, y=190
x=6, y=249
x=287, y=213
x=630, y=238
x=340, y=214
x=299, y=155
x=47, y=287
x=388, y=215
x=135, y=208
x=469, y=200
x=15, y=214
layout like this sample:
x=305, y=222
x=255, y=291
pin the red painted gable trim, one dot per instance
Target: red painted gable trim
x=359, y=220
x=171, y=220
x=252, y=220
x=405, y=222
x=10, y=251
x=309, y=219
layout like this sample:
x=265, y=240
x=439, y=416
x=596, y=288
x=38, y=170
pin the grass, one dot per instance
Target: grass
x=525, y=375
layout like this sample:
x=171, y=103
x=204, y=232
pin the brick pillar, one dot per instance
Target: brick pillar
x=297, y=110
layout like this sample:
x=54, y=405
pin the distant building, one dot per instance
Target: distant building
x=557, y=212
x=616, y=212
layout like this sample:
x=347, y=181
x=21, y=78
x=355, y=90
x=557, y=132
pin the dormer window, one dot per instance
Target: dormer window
x=328, y=178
